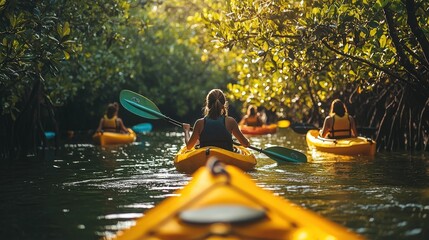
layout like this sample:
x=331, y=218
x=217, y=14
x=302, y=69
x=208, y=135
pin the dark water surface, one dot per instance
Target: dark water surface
x=90, y=192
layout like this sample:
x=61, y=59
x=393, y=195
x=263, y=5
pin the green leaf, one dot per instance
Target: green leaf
x=66, y=29
x=392, y=60
x=54, y=39
x=315, y=11
x=60, y=29
x=382, y=41
x=66, y=55
x=382, y=3
x=346, y=48
x=373, y=24
x=2, y=4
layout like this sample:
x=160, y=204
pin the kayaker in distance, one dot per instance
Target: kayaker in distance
x=216, y=127
x=252, y=118
x=263, y=115
x=110, y=122
x=338, y=124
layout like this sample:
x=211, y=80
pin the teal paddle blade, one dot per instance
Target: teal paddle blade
x=285, y=154
x=139, y=105
x=49, y=135
x=142, y=128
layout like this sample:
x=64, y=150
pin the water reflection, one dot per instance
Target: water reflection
x=88, y=191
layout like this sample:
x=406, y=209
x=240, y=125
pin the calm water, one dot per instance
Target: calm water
x=90, y=192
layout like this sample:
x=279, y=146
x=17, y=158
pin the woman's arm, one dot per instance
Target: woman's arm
x=237, y=133
x=353, y=126
x=243, y=120
x=122, y=126
x=327, y=126
x=100, y=125
x=192, y=139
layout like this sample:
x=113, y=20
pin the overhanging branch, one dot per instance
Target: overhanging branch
x=415, y=28
x=385, y=70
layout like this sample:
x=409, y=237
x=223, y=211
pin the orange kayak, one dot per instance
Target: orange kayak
x=222, y=202
x=261, y=130
x=109, y=138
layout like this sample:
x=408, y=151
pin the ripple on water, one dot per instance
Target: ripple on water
x=89, y=190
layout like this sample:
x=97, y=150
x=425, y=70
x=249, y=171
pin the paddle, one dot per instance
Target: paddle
x=142, y=128
x=303, y=128
x=49, y=135
x=143, y=107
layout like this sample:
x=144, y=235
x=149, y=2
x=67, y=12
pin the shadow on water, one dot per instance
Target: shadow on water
x=88, y=192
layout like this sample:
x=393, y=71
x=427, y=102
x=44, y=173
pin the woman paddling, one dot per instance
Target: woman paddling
x=110, y=122
x=252, y=118
x=338, y=124
x=216, y=127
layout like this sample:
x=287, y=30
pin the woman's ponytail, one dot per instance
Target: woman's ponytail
x=216, y=104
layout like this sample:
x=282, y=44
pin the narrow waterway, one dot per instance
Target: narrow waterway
x=86, y=191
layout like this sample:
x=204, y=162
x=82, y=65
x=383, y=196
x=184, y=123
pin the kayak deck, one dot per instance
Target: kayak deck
x=345, y=146
x=110, y=138
x=188, y=161
x=222, y=202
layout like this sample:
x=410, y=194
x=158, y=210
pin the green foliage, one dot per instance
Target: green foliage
x=79, y=55
x=295, y=56
x=168, y=65
x=152, y=51
x=305, y=50
x=292, y=57
x=38, y=40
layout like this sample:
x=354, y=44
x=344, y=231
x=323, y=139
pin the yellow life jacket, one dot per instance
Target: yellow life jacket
x=341, y=127
x=110, y=124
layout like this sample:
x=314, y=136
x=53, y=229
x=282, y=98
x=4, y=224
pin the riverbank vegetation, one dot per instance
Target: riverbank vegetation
x=62, y=61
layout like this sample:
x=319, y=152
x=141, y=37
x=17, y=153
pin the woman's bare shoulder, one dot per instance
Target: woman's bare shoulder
x=230, y=119
x=199, y=121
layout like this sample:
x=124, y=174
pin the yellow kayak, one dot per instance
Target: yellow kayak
x=222, y=202
x=344, y=146
x=261, y=130
x=108, y=138
x=188, y=161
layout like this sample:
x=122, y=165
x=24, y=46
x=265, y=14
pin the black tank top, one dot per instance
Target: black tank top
x=215, y=134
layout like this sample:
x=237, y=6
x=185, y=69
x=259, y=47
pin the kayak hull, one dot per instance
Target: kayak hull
x=346, y=146
x=261, y=130
x=110, y=138
x=228, y=204
x=188, y=161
